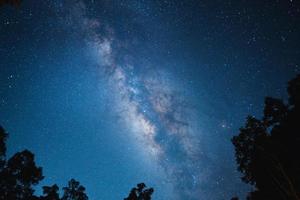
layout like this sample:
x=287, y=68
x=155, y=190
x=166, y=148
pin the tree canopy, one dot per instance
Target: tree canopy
x=140, y=192
x=267, y=149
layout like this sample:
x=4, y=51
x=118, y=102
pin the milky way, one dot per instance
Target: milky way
x=157, y=115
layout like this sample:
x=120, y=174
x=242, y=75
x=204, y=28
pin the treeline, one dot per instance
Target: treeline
x=19, y=174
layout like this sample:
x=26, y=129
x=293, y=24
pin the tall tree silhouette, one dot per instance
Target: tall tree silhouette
x=140, y=192
x=267, y=150
x=3, y=137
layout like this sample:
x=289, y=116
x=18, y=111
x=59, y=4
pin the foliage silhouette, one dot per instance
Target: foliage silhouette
x=50, y=193
x=18, y=174
x=74, y=191
x=140, y=192
x=266, y=150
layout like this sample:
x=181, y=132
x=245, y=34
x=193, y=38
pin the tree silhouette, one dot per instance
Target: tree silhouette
x=140, y=192
x=74, y=191
x=266, y=150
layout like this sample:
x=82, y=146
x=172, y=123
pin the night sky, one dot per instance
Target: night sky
x=117, y=92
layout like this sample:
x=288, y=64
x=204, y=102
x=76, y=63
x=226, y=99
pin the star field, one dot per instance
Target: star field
x=118, y=92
